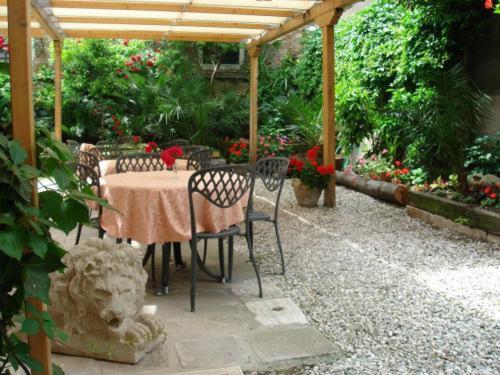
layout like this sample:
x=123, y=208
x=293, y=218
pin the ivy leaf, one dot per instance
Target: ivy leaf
x=30, y=326
x=66, y=214
x=36, y=279
x=62, y=178
x=12, y=242
x=56, y=370
x=17, y=153
x=38, y=244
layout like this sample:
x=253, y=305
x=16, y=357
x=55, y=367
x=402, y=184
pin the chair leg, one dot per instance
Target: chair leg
x=194, y=258
x=129, y=241
x=146, y=256
x=101, y=233
x=165, y=271
x=205, y=248
x=119, y=240
x=153, y=271
x=278, y=238
x=178, y=255
x=230, y=253
x=252, y=258
x=78, y=233
x=221, y=260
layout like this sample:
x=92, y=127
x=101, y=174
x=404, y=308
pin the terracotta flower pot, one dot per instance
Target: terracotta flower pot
x=306, y=197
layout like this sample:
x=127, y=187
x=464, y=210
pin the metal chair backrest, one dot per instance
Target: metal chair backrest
x=221, y=186
x=73, y=146
x=109, y=152
x=126, y=139
x=200, y=159
x=89, y=159
x=89, y=177
x=143, y=162
x=272, y=172
x=187, y=151
x=174, y=142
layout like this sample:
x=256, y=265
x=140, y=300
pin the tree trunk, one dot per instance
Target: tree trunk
x=386, y=191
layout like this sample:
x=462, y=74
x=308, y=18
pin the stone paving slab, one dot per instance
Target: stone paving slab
x=276, y=312
x=286, y=343
x=215, y=351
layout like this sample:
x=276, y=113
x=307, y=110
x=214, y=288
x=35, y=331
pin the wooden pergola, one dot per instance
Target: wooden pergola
x=254, y=22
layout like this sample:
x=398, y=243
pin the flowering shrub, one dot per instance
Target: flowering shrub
x=170, y=154
x=4, y=44
x=238, y=152
x=310, y=171
x=378, y=167
x=273, y=146
x=151, y=146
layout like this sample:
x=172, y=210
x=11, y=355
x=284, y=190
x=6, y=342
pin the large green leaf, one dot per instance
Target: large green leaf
x=30, y=326
x=66, y=214
x=38, y=244
x=12, y=242
x=17, y=153
x=36, y=279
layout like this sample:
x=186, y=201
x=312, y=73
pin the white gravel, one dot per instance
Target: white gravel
x=396, y=295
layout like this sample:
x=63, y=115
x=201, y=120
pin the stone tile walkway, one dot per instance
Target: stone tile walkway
x=231, y=329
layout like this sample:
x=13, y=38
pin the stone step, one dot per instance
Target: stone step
x=222, y=371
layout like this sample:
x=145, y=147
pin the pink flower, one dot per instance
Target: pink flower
x=373, y=157
x=397, y=163
x=385, y=151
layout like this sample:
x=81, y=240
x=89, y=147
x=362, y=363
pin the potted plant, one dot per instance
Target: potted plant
x=309, y=177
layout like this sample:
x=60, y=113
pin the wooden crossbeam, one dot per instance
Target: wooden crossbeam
x=299, y=21
x=162, y=22
x=171, y=7
x=155, y=35
x=42, y=17
x=35, y=33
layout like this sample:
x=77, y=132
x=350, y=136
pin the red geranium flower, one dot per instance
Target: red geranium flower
x=487, y=190
x=151, y=146
x=405, y=171
x=136, y=139
x=126, y=42
x=150, y=63
x=397, y=163
x=488, y=4
x=493, y=196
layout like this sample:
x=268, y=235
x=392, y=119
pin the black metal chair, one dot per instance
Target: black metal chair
x=223, y=187
x=175, y=142
x=89, y=159
x=200, y=159
x=126, y=139
x=73, y=146
x=272, y=172
x=107, y=152
x=89, y=177
x=187, y=151
x=143, y=162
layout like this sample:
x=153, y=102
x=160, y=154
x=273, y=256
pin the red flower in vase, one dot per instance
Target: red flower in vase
x=151, y=146
x=170, y=155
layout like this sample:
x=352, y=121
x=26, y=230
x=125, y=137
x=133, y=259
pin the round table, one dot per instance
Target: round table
x=153, y=207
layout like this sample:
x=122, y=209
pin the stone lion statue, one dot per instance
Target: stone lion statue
x=98, y=302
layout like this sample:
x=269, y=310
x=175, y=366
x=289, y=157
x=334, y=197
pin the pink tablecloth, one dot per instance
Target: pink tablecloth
x=108, y=167
x=154, y=208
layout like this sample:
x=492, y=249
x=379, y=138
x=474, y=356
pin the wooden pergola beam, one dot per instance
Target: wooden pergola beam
x=43, y=18
x=171, y=7
x=35, y=33
x=23, y=130
x=162, y=22
x=299, y=21
x=254, y=102
x=155, y=35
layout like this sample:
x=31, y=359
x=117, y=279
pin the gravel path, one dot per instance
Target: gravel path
x=396, y=295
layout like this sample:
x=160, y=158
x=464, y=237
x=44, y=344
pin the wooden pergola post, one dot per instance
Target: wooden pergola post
x=326, y=22
x=254, y=101
x=23, y=126
x=58, y=89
